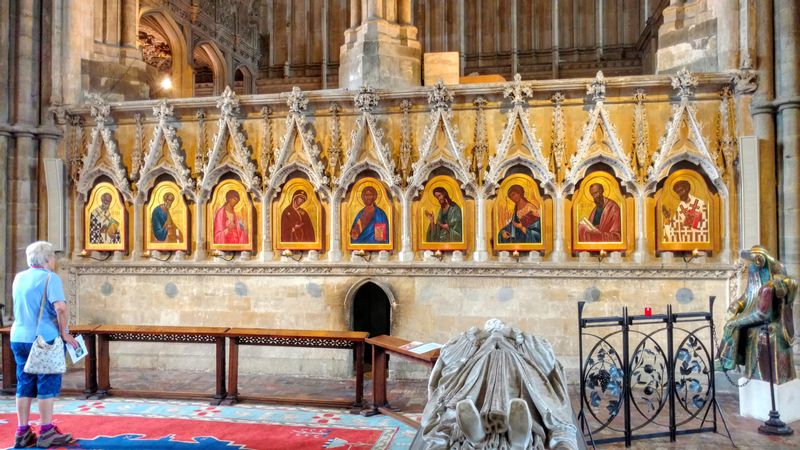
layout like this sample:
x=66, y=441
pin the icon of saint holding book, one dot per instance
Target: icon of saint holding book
x=604, y=223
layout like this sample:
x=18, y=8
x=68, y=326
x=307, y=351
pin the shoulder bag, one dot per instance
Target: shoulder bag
x=45, y=358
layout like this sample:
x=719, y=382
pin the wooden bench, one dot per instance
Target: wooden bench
x=144, y=333
x=348, y=340
x=89, y=368
x=381, y=347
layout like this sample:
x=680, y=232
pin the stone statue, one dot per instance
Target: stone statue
x=767, y=298
x=497, y=388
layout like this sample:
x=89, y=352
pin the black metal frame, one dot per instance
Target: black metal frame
x=648, y=380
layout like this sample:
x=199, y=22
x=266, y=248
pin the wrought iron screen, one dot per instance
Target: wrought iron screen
x=646, y=376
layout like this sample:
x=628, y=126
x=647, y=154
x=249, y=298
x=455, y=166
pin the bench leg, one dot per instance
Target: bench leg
x=359, y=403
x=103, y=368
x=90, y=366
x=233, y=372
x=219, y=396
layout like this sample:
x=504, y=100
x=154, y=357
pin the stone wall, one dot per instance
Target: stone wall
x=432, y=303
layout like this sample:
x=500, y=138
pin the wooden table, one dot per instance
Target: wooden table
x=348, y=340
x=381, y=347
x=89, y=368
x=143, y=333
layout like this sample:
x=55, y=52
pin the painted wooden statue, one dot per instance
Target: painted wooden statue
x=768, y=299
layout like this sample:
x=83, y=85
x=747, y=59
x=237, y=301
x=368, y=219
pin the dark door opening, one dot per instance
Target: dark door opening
x=371, y=310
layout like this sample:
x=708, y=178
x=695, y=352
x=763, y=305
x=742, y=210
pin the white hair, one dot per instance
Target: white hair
x=39, y=252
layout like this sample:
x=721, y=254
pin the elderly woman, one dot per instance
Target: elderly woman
x=28, y=289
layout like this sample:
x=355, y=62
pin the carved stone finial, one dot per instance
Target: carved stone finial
x=440, y=98
x=597, y=88
x=517, y=91
x=163, y=111
x=685, y=83
x=366, y=99
x=557, y=98
x=265, y=112
x=297, y=101
x=98, y=107
x=639, y=96
x=228, y=104
x=405, y=105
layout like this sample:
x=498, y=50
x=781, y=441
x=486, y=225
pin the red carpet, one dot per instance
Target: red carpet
x=124, y=432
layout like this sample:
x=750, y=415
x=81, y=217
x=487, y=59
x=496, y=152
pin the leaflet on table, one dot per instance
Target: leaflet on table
x=77, y=354
x=425, y=348
x=410, y=345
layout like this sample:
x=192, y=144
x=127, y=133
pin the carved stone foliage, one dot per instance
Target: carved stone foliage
x=599, y=142
x=450, y=153
x=156, y=164
x=559, y=132
x=335, y=149
x=97, y=162
x=405, y=139
x=266, y=142
x=481, y=148
x=529, y=154
x=378, y=156
x=288, y=160
x=683, y=140
x=641, y=134
x=726, y=131
x=221, y=158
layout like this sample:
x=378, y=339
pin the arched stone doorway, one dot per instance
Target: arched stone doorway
x=369, y=304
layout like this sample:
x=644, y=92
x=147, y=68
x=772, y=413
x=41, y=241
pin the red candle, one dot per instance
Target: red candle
x=648, y=311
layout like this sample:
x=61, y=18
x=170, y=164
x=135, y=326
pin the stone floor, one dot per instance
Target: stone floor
x=409, y=396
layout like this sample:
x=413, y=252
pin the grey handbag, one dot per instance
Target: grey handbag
x=45, y=358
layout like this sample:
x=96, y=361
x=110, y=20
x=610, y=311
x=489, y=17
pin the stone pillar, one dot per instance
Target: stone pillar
x=640, y=250
x=24, y=156
x=5, y=144
x=481, y=254
x=138, y=232
x=406, y=249
x=130, y=22
x=5, y=260
x=77, y=246
x=787, y=47
x=558, y=221
x=762, y=111
x=266, y=253
x=335, y=240
x=382, y=50
x=200, y=230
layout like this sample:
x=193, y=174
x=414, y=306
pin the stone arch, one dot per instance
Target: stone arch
x=206, y=56
x=349, y=300
x=161, y=22
x=243, y=80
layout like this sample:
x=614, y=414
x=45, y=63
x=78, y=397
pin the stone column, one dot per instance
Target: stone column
x=481, y=254
x=406, y=249
x=335, y=240
x=138, y=233
x=558, y=221
x=5, y=143
x=200, y=228
x=5, y=260
x=762, y=111
x=640, y=249
x=266, y=253
x=24, y=158
x=787, y=46
x=77, y=246
x=130, y=14
x=382, y=50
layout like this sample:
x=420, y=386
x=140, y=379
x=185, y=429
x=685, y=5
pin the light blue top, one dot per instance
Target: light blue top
x=27, y=290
